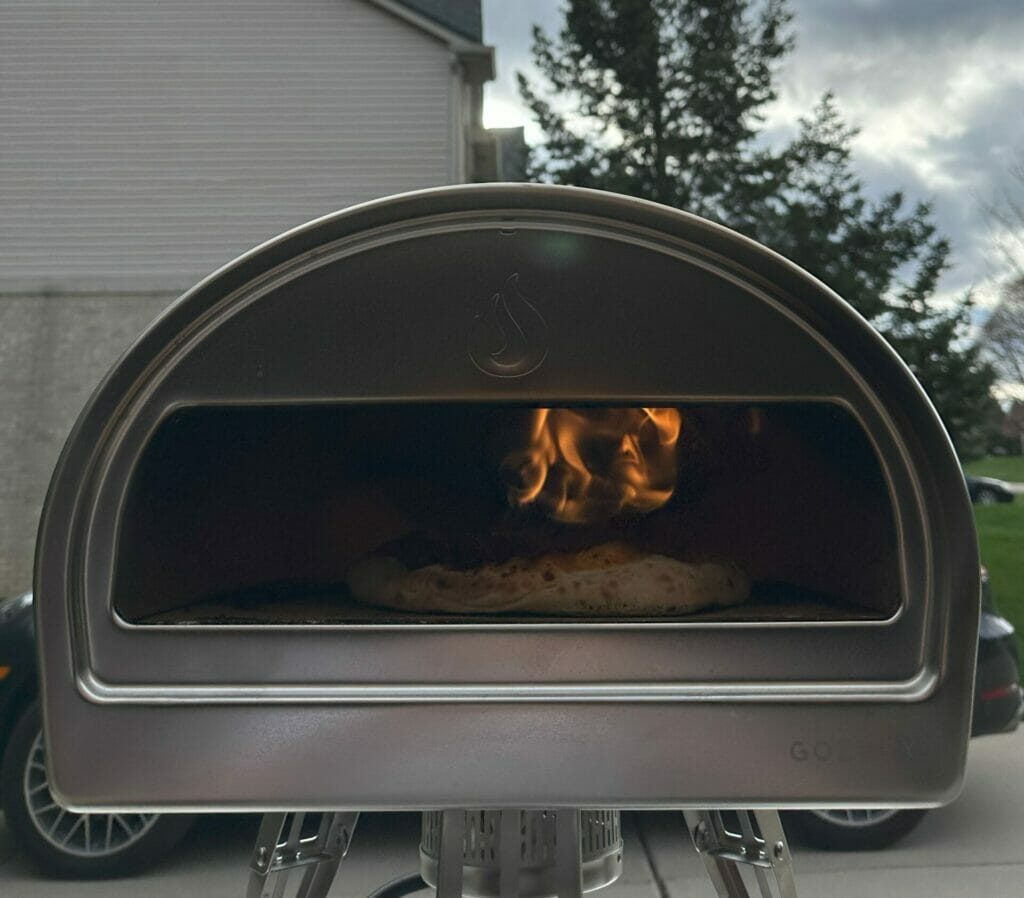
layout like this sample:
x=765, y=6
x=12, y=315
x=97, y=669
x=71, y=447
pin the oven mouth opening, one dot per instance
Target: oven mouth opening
x=471, y=513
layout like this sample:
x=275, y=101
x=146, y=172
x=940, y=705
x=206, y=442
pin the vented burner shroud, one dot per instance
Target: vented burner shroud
x=525, y=844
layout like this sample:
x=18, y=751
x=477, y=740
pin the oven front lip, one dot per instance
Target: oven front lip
x=99, y=689
x=95, y=688
x=916, y=689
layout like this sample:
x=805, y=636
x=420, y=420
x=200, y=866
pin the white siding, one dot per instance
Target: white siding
x=143, y=144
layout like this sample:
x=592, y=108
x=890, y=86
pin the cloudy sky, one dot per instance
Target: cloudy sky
x=936, y=87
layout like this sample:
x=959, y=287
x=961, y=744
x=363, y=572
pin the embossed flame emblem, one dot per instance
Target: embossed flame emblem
x=508, y=336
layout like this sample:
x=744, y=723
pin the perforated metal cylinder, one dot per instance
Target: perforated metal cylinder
x=539, y=866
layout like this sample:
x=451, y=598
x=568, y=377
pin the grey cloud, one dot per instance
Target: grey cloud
x=877, y=56
x=881, y=57
x=906, y=20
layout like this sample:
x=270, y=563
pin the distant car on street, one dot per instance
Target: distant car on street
x=988, y=490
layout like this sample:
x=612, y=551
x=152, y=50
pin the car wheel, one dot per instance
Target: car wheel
x=986, y=496
x=852, y=830
x=64, y=843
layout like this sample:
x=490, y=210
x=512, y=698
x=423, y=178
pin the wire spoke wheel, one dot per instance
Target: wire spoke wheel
x=853, y=829
x=82, y=835
x=857, y=818
x=67, y=844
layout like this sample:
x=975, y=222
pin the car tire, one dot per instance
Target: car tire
x=986, y=496
x=855, y=830
x=65, y=844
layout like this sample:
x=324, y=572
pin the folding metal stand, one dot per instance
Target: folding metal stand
x=285, y=845
x=287, y=842
x=756, y=842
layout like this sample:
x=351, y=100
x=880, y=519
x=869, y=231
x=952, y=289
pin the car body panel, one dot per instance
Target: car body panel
x=18, y=652
x=977, y=487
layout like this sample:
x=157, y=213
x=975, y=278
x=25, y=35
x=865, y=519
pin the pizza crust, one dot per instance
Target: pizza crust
x=609, y=580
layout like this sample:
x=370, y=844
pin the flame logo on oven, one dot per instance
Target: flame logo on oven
x=508, y=336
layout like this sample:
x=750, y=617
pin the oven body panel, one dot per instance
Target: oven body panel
x=379, y=305
x=541, y=755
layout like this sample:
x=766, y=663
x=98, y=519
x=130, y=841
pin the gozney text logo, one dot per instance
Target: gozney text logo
x=508, y=336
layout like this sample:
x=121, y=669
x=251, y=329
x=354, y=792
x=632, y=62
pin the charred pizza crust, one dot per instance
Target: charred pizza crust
x=608, y=580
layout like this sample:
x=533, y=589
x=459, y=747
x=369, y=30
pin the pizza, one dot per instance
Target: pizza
x=612, y=579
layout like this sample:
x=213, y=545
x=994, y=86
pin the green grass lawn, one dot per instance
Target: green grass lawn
x=1006, y=467
x=1001, y=537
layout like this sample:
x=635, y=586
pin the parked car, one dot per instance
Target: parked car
x=998, y=706
x=65, y=843
x=988, y=490
x=62, y=843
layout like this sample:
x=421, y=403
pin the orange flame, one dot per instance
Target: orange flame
x=584, y=465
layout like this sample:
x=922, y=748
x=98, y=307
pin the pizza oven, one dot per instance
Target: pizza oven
x=507, y=496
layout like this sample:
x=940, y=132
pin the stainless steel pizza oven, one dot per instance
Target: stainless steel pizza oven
x=494, y=497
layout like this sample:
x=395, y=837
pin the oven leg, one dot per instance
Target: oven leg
x=756, y=842
x=568, y=854
x=449, y=861
x=282, y=847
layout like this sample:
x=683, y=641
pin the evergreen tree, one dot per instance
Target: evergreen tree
x=664, y=99
x=659, y=99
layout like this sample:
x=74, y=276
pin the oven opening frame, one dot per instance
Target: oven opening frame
x=740, y=616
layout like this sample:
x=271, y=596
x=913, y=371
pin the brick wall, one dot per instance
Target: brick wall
x=53, y=351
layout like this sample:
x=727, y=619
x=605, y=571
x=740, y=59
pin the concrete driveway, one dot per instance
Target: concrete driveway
x=973, y=847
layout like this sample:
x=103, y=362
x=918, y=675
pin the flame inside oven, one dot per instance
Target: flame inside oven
x=586, y=465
